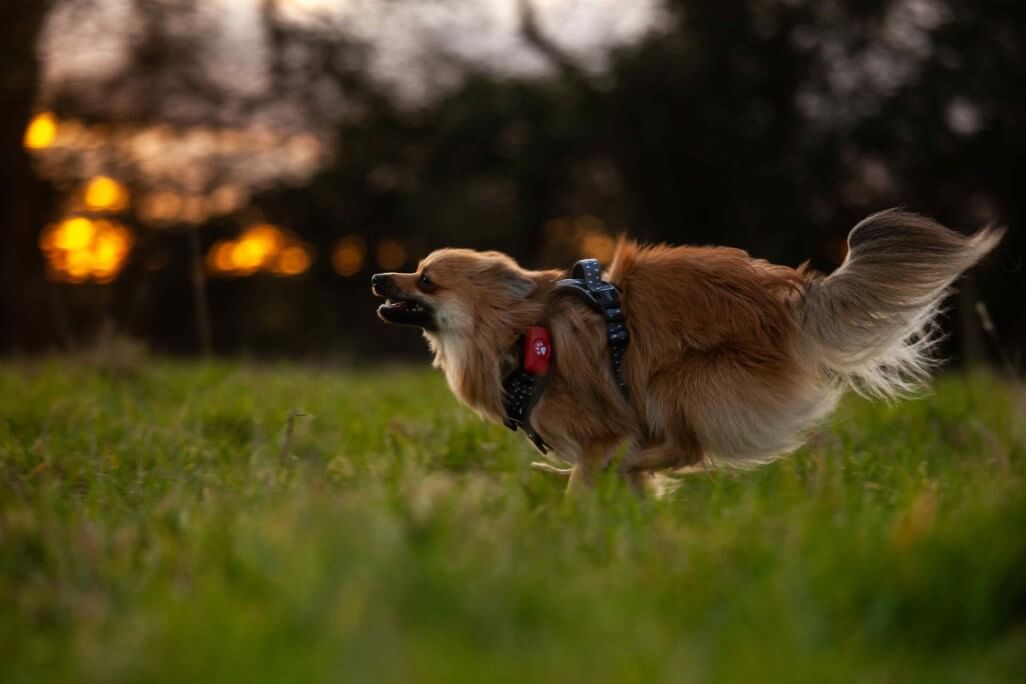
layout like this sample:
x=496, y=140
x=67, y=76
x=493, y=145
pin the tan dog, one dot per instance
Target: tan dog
x=732, y=360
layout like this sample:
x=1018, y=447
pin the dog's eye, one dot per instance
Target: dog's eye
x=424, y=283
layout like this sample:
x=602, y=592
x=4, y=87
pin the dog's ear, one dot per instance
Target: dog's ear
x=513, y=280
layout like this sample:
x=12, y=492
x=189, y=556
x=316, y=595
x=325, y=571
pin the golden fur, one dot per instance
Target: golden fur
x=732, y=360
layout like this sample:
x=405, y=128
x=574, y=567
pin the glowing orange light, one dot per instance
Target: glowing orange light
x=598, y=245
x=293, y=261
x=74, y=234
x=108, y=254
x=165, y=206
x=247, y=255
x=41, y=131
x=105, y=194
x=349, y=255
x=391, y=254
x=78, y=265
x=219, y=259
x=79, y=249
x=260, y=248
x=226, y=199
x=268, y=238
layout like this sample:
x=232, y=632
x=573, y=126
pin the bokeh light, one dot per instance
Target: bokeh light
x=74, y=234
x=226, y=199
x=391, y=254
x=597, y=245
x=349, y=255
x=263, y=247
x=219, y=167
x=194, y=209
x=160, y=207
x=165, y=208
x=105, y=194
x=79, y=249
x=582, y=236
x=41, y=131
x=292, y=261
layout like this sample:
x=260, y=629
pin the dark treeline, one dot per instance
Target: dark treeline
x=771, y=126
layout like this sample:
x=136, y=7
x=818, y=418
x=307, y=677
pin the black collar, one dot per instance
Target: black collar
x=524, y=386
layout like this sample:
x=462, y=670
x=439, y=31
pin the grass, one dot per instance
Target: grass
x=153, y=528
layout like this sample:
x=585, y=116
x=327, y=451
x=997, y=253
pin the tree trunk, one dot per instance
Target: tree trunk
x=26, y=202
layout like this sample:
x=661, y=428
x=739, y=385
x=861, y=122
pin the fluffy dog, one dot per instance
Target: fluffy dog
x=732, y=360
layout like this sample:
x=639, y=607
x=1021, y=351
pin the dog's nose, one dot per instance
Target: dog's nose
x=378, y=280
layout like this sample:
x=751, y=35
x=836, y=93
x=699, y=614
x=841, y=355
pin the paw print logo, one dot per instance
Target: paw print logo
x=540, y=348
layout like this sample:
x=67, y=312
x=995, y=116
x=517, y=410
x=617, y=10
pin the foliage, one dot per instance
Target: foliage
x=768, y=125
x=159, y=526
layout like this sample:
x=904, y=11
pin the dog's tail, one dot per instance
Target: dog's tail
x=870, y=322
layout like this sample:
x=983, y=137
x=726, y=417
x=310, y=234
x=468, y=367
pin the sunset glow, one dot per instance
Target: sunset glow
x=79, y=249
x=41, y=131
x=349, y=255
x=105, y=194
x=261, y=248
x=391, y=254
x=585, y=236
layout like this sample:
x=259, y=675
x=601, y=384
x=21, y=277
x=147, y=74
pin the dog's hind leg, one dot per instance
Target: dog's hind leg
x=636, y=467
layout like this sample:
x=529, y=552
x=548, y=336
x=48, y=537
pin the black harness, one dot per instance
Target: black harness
x=522, y=390
x=520, y=394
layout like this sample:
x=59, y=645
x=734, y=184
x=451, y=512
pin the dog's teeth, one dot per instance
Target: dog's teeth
x=405, y=305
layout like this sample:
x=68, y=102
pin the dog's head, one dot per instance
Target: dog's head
x=454, y=291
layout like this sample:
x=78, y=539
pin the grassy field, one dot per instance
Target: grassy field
x=159, y=526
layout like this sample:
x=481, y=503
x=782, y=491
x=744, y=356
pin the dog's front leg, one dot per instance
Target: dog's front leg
x=582, y=479
x=582, y=475
x=592, y=460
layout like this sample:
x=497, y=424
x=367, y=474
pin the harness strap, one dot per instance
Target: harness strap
x=604, y=297
x=521, y=392
x=524, y=386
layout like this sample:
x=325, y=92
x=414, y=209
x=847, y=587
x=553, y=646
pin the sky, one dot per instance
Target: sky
x=419, y=50
x=412, y=40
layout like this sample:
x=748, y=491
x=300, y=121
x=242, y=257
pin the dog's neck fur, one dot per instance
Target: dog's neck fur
x=476, y=359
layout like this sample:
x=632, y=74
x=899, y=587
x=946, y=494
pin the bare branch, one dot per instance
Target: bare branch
x=534, y=36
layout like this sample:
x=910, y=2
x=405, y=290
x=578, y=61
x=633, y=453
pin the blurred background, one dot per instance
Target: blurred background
x=223, y=176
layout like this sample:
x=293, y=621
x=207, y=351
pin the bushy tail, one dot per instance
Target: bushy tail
x=871, y=321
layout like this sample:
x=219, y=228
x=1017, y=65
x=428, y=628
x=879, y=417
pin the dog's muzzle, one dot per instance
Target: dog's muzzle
x=400, y=307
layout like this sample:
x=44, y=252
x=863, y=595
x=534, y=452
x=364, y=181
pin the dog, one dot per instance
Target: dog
x=732, y=360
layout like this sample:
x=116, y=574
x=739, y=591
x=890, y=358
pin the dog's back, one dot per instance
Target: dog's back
x=743, y=357
x=715, y=351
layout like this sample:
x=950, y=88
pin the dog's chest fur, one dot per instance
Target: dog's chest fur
x=474, y=375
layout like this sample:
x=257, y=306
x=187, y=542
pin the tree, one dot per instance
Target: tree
x=25, y=199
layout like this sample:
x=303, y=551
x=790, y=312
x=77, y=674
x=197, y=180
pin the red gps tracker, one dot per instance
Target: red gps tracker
x=537, y=350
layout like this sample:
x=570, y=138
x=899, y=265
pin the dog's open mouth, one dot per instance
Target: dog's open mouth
x=407, y=311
